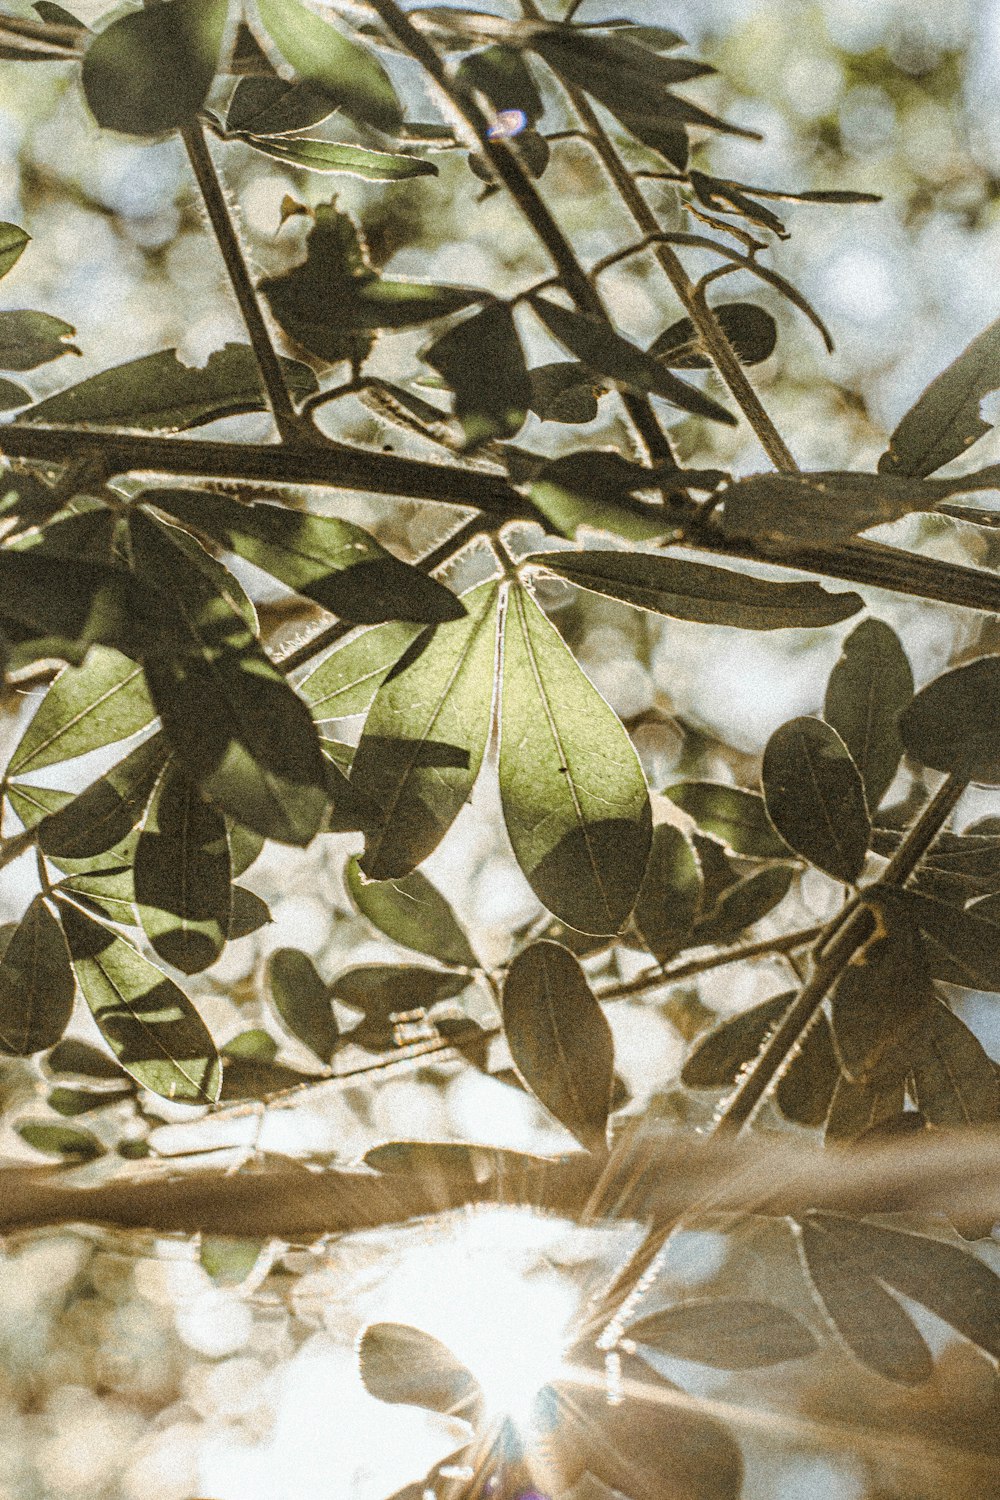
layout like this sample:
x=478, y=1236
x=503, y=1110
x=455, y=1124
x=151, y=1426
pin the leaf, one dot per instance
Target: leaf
x=954, y=1080
x=73, y=1102
x=750, y=329
x=482, y=361
x=670, y=894
x=236, y=726
x=608, y=354
x=503, y=75
x=424, y=738
x=382, y=991
x=882, y=1001
x=36, y=984
x=12, y=243
x=302, y=1000
x=244, y=847
x=963, y=945
x=254, y=1045
x=102, y=815
x=83, y=1060
x=815, y=797
x=697, y=591
x=876, y=1330
x=228, y=1260
x=334, y=563
x=728, y=1333
x=30, y=339
x=85, y=708
x=247, y=913
x=857, y=1108
x=182, y=875
x=151, y=70
x=69, y=1142
x=953, y=724
x=406, y=1367
x=718, y=1058
x=574, y=797
x=158, y=393
x=946, y=420
x=745, y=902
x=563, y=391
x=593, y=488
x=413, y=913
x=560, y=1040
x=869, y=688
x=267, y=105
x=320, y=54
x=150, y=1025
x=12, y=395
x=316, y=155
x=346, y=681
x=736, y=816
x=806, y=1088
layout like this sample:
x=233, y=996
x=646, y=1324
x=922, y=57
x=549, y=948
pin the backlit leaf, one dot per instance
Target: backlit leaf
x=745, y=902
x=329, y=157
x=151, y=70
x=815, y=797
x=12, y=242
x=594, y=488
x=12, y=395
x=737, y=816
x=96, y=704
x=719, y=1057
x=321, y=54
x=67, y=1141
x=954, y=1080
x=36, y=984
x=750, y=329
x=182, y=875
x=30, y=339
x=945, y=421
x=806, y=1088
x=503, y=75
x=413, y=913
x=247, y=913
x=882, y=1001
x=382, y=991
x=860, y=1107
x=404, y=1366
x=729, y=1333
x=482, y=361
x=267, y=105
x=670, y=894
x=302, y=1000
x=953, y=724
x=963, y=945
x=346, y=681
x=869, y=688
x=81, y=1059
x=563, y=391
x=102, y=815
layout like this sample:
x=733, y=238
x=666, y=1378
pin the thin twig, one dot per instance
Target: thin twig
x=653, y=978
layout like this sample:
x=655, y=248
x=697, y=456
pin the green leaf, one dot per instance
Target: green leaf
x=346, y=681
x=413, y=913
x=697, y=591
x=269, y=106
x=247, y=913
x=859, y=1107
x=869, y=688
x=751, y=330
x=815, y=797
x=87, y=707
x=615, y=358
x=953, y=724
x=151, y=70
x=382, y=991
x=311, y=154
x=58, y=15
x=594, y=488
x=30, y=339
x=244, y=847
x=12, y=395
x=36, y=984
x=406, y=1367
x=954, y=1080
x=946, y=420
x=424, y=738
x=302, y=1000
x=963, y=945
x=102, y=815
x=560, y=1040
x=233, y=721
x=503, y=75
x=66, y=1141
x=12, y=242
x=158, y=393
x=573, y=793
x=720, y=1056
x=736, y=816
x=882, y=1001
x=228, y=1260
x=254, y=1045
x=334, y=563
x=670, y=894
x=728, y=1333
x=745, y=902
x=72, y=1102
x=182, y=875
x=482, y=361
x=320, y=54
x=563, y=391
x=805, y=1090
x=150, y=1025
x=83, y=1060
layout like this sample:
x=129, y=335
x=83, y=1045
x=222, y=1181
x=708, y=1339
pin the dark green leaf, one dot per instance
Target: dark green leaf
x=482, y=361
x=806, y=1088
x=86, y=707
x=102, y=815
x=953, y=724
x=72, y=1102
x=66, y=1141
x=320, y=54
x=316, y=155
x=594, y=488
x=150, y=1025
x=573, y=793
x=30, y=339
x=946, y=420
x=670, y=894
x=269, y=106
x=859, y=1107
x=413, y=913
x=58, y=15
x=182, y=875
x=560, y=1040
x=882, y=1001
x=302, y=1000
x=747, y=901
x=348, y=679
x=697, y=591
x=733, y=814
x=425, y=736
x=608, y=354
x=12, y=395
x=333, y=562
x=729, y=1333
x=151, y=70
x=12, y=242
x=82, y=1060
x=36, y=984
x=963, y=946
x=815, y=797
x=382, y=991
x=869, y=688
x=719, y=1057
x=751, y=330
x=563, y=392
x=406, y=1367
x=158, y=393
x=954, y=1080
x=503, y=75
x=247, y=913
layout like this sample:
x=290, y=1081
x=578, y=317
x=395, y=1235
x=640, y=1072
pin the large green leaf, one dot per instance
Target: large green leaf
x=150, y=1025
x=12, y=242
x=102, y=815
x=963, y=944
x=425, y=736
x=729, y=1333
x=815, y=797
x=346, y=681
x=946, y=419
x=560, y=1040
x=30, y=339
x=302, y=1000
x=670, y=894
x=953, y=724
x=158, y=393
x=954, y=1080
x=151, y=70
x=36, y=984
x=733, y=814
x=404, y=1366
x=882, y=1002
x=235, y=724
x=697, y=591
x=481, y=359
x=320, y=54
x=573, y=793
x=182, y=878
x=86, y=707
x=608, y=354
x=267, y=105
x=334, y=157
x=325, y=559
x=869, y=688
x=413, y=913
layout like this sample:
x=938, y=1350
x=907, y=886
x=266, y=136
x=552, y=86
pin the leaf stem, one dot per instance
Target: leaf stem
x=656, y=976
